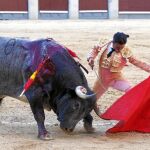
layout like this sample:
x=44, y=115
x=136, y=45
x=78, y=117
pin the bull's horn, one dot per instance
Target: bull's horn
x=82, y=92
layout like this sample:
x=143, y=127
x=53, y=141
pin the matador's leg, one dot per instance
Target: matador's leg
x=121, y=85
x=99, y=89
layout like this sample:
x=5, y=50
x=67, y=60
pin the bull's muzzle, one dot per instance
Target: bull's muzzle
x=82, y=92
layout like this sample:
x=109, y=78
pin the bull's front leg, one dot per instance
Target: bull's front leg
x=88, y=123
x=36, y=103
x=39, y=116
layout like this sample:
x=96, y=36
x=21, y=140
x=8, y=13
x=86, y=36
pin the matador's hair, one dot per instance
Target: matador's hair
x=120, y=38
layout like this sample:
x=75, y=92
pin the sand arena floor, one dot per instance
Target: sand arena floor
x=18, y=129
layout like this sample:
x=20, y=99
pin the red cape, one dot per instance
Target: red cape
x=132, y=110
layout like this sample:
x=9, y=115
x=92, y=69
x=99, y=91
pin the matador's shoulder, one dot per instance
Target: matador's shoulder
x=126, y=52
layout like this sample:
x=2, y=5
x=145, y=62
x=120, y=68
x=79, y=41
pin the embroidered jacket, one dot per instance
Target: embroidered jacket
x=117, y=60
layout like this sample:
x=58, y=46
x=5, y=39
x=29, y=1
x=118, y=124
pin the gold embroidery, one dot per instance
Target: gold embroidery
x=106, y=63
x=116, y=60
x=126, y=52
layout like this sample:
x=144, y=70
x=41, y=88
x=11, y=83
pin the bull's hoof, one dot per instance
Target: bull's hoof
x=45, y=137
x=89, y=128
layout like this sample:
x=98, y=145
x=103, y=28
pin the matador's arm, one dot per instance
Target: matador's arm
x=140, y=64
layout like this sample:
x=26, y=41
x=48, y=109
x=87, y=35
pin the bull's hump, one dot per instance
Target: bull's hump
x=54, y=47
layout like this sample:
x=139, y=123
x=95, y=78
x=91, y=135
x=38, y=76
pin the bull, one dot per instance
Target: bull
x=60, y=85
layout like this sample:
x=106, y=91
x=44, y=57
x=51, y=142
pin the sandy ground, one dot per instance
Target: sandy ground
x=17, y=126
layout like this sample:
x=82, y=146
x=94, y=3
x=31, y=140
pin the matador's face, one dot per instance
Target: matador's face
x=118, y=47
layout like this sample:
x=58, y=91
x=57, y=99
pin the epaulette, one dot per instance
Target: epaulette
x=126, y=52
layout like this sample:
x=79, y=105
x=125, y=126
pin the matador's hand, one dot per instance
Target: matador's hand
x=91, y=62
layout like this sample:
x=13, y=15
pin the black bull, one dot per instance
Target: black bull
x=54, y=87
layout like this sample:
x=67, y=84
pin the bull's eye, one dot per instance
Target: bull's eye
x=76, y=105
